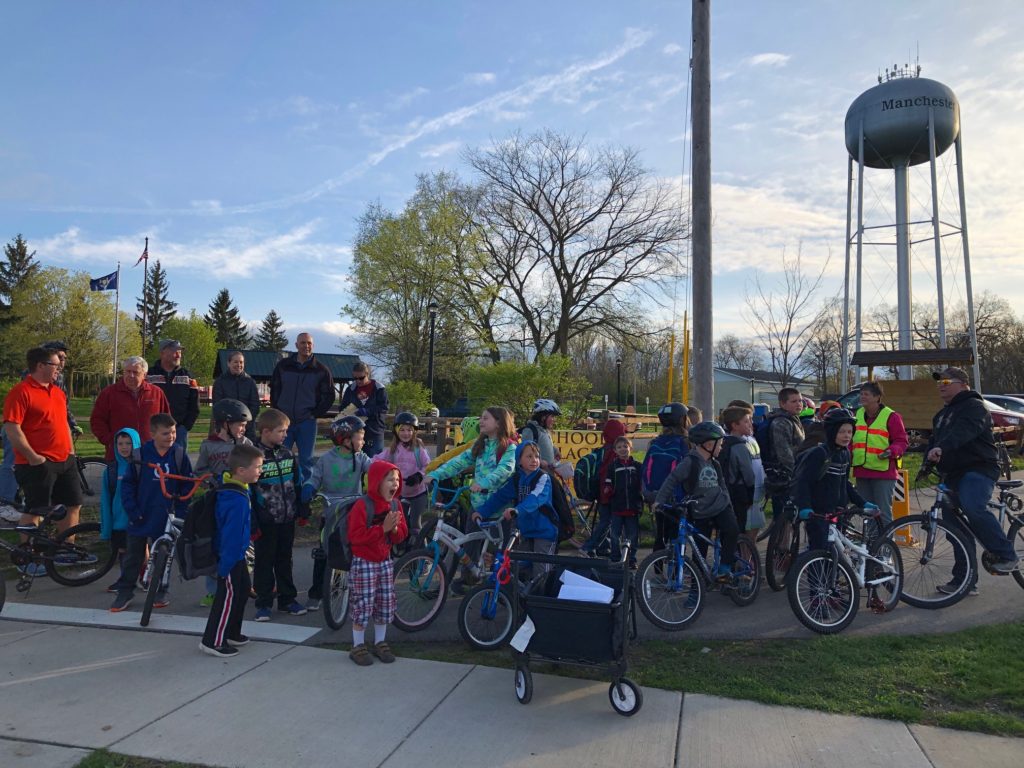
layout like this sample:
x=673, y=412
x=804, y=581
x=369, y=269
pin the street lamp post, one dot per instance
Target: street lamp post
x=618, y=383
x=432, y=309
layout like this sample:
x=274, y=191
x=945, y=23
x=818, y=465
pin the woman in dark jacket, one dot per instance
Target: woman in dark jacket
x=239, y=385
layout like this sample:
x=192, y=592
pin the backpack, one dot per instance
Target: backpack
x=560, y=513
x=662, y=457
x=801, y=459
x=584, y=476
x=195, y=549
x=741, y=494
x=339, y=548
x=763, y=436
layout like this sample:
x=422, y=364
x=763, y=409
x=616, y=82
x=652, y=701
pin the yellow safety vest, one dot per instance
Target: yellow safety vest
x=869, y=442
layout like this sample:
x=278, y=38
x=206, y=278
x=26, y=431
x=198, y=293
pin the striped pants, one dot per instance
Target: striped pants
x=228, y=607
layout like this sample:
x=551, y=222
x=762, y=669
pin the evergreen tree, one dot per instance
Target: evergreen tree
x=17, y=266
x=226, y=322
x=270, y=337
x=154, y=308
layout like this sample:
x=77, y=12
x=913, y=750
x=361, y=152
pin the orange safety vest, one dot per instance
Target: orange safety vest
x=869, y=442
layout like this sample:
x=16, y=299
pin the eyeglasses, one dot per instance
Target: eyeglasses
x=53, y=364
x=947, y=382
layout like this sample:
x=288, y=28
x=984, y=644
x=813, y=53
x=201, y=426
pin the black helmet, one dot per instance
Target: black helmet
x=672, y=415
x=56, y=345
x=546, y=405
x=706, y=430
x=405, y=418
x=343, y=428
x=228, y=411
x=838, y=416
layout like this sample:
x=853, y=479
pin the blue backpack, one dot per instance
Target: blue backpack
x=663, y=455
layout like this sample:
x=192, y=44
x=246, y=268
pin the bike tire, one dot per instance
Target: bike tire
x=1016, y=535
x=336, y=593
x=160, y=554
x=90, y=471
x=888, y=592
x=744, y=591
x=663, y=603
x=820, y=606
x=97, y=556
x=426, y=534
x=921, y=579
x=481, y=632
x=783, y=544
x=421, y=589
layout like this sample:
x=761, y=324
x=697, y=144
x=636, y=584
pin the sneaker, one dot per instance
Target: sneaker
x=113, y=588
x=295, y=608
x=313, y=605
x=1006, y=566
x=162, y=600
x=9, y=513
x=121, y=602
x=206, y=601
x=239, y=641
x=383, y=652
x=262, y=614
x=951, y=587
x=224, y=651
x=724, y=574
x=360, y=655
x=35, y=570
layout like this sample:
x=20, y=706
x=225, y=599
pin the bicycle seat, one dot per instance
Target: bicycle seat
x=1005, y=485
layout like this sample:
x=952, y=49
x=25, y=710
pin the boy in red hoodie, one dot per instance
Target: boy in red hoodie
x=371, y=534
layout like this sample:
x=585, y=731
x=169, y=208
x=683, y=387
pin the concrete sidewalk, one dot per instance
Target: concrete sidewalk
x=65, y=690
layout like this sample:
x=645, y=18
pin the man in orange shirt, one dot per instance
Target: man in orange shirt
x=36, y=423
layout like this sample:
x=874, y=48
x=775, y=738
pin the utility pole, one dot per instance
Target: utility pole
x=700, y=220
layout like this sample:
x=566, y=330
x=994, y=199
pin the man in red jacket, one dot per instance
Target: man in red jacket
x=127, y=403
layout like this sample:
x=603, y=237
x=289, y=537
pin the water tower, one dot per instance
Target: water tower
x=903, y=121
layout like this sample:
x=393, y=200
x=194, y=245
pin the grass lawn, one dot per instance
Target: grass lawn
x=971, y=680
x=101, y=758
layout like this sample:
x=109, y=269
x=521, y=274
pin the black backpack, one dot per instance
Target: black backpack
x=584, y=476
x=195, y=549
x=561, y=514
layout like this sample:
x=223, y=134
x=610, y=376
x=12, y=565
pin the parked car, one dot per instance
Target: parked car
x=1013, y=403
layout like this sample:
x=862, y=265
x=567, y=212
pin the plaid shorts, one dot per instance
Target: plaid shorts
x=372, y=591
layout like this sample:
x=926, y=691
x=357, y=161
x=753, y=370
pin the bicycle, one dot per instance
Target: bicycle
x=423, y=576
x=930, y=559
x=1009, y=507
x=72, y=558
x=486, y=613
x=824, y=585
x=672, y=582
x=157, y=574
x=455, y=513
x=783, y=546
x=336, y=591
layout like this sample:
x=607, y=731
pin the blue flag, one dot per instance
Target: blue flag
x=105, y=283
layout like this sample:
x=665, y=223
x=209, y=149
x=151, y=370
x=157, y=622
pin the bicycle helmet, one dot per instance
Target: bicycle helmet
x=56, y=345
x=229, y=411
x=405, y=418
x=544, y=405
x=825, y=407
x=672, y=415
x=806, y=413
x=833, y=420
x=342, y=429
x=706, y=430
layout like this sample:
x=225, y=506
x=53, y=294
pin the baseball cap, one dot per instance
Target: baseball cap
x=170, y=344
x=952, y=373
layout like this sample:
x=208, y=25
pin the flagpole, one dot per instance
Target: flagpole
x=145, y=277
x=117, y=316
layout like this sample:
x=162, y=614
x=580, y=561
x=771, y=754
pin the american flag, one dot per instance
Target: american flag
x=145, y=255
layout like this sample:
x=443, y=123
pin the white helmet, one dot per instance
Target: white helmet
x=544, y=405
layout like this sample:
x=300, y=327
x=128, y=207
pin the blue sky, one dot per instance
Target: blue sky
x=245, y=139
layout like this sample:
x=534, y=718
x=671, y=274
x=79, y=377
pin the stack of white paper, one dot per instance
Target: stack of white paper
x=576, y=587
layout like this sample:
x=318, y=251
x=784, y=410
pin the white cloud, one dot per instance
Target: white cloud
x=672, y=49
x=988, y=36
x=439, y=150
x=480, y=78
x=768, y=60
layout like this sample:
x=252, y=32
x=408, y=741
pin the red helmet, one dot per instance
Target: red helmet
x=825, y=407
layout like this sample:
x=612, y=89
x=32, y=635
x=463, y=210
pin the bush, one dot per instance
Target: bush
x=404, y=395
x=516, y=385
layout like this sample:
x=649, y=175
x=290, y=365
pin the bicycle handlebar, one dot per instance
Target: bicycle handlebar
x=454, y=499
x=164, y=476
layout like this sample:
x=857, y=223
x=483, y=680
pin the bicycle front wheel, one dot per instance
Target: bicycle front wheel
x=748, y=575
x=823, y=592
x=421, y=588
x=670, y=591
x=485, y=619
x=888, y=592
x=335, y=594
x=90, y=471
x=783, y=544
x=159, y=555
x=80, y=556
x=1016, y=535
x=929, y=558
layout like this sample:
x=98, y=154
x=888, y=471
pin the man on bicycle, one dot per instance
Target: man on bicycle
x=963, y=447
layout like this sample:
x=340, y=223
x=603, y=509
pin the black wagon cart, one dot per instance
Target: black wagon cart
x=578, y=632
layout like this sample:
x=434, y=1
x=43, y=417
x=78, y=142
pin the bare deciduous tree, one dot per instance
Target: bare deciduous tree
x=733, y=352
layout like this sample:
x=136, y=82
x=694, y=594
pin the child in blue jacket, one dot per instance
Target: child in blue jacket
x=223, y=632
x=113, y=518
x=527, y=496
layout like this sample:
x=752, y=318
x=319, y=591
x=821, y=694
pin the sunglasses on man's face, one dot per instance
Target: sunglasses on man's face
x=947, y=382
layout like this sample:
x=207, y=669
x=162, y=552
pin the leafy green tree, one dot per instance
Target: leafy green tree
x=408, y=396
x=516, y=385
x=226, y=321
x=199, y=341
x=270, y=336
x=55, y=303
x=154, y=307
